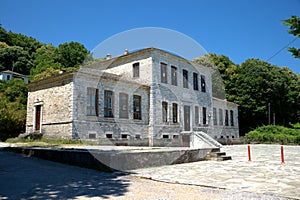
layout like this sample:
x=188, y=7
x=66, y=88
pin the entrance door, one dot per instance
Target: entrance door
x=38, y=118
x=187, y=125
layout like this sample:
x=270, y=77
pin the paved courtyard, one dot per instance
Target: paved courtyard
x=264, y=175
x=32, y=178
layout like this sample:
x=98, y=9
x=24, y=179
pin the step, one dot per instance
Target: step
x=223, y=158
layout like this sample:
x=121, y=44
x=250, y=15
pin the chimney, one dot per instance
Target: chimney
x=108, y=56
x=126, y=52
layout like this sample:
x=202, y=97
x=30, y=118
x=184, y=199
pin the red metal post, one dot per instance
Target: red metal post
x=249, y=154
x=282, y=155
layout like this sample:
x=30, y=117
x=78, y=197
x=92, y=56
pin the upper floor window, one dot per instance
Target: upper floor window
x=108, y=103
x=92, y=101
x=164, y=111
x=204, y=115
x=226, y=118
x=123, y=105
x=185, y=77
x=137, y=112
x=203, y=84
x=136, y=69
x=174, y=75
x=231, y=118
x=195, y=81
x=163, y=73
x=175, y=112
x=215, y=116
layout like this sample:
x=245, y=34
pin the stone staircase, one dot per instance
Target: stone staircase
x=217, y=155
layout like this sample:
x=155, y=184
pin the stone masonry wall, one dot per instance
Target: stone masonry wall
x=56, y=110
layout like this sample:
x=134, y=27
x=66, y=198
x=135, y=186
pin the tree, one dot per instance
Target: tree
x=13, y=100
x=71, y=55
x=222, y=68
x=256, y=83
x=15, y=58
x=44, y=58
x=294, y=24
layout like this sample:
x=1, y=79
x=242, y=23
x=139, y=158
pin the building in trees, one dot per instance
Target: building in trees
x=8, y=75
x=149, y=97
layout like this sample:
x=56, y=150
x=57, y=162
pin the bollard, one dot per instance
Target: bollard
x=249, y=153
x=282, y=155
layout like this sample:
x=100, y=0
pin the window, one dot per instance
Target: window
x=8, y=77
x=203, y=84
x=92, y=101
x=196, y=115
x=137, y=113
x=163, y=73
x=231, y=118
x=226, y=118
x=185, y=77
x=164, y=111
x=204, y=115
x=123, y=105
x=136, y=70
x=108, y=103
x=174, y=75
x=195, y=81
x=220, y=117
x=175, y=112
x=215, y=116
x=166, y=136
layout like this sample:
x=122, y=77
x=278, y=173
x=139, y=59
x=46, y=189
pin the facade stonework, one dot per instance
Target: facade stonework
x=149, y=97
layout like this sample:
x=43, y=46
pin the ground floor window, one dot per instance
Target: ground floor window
x=92, y=101
x=175, y=112
x=226, y=118
x=231, y=118
x=164, y=111
x=196, y=115
x=204, y=115
x=215, y=116
x=137, y=113
x=108, y=103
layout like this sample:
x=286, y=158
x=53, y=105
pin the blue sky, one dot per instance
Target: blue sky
x=239, y=29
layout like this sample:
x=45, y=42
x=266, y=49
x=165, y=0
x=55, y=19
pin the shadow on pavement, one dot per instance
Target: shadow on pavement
x=33, y=178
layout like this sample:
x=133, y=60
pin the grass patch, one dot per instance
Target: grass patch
x=49, y=142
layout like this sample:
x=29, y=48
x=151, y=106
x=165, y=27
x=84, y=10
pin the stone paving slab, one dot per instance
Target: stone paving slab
x=264, y=175
x=32, y=178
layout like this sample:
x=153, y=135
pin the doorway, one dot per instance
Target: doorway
x=38, y=109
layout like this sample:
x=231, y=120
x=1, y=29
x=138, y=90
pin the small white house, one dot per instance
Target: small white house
x=149, y=97
x=8, y=75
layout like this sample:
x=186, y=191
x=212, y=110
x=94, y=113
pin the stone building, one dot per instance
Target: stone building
x=148, y=97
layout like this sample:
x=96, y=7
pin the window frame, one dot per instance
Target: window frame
x=123, y=113
x=197, y=119
x=136, y=106
x=136, y=70
x=203, y=84
x=92, y=101
x=175, y=112
x=174, y=75
x=185, y=78
x=108, y=111
x=164, y=106
x=204, y=116
x=163, y=72
x=195, y=81
x=231, y=118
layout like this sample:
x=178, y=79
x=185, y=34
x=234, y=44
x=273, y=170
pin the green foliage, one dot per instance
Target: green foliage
x=45, y=74
x=274, y=134
x=256, y=83
x=294, y=28
x=13, y=99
